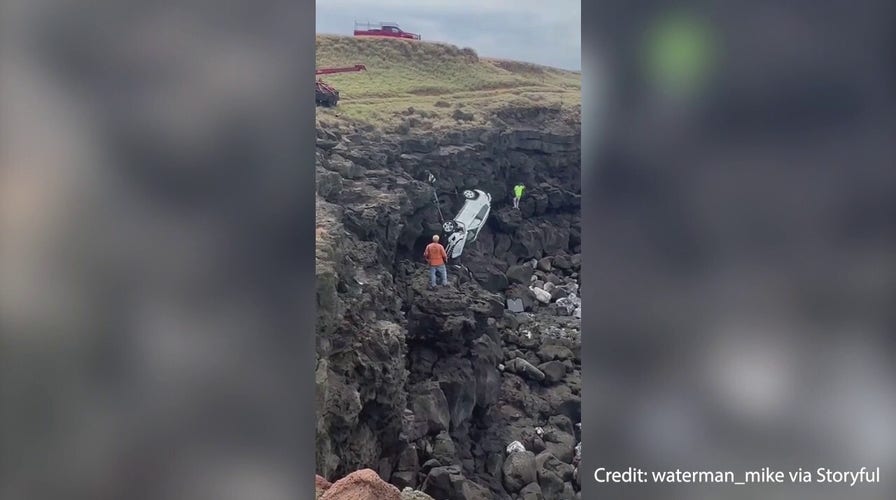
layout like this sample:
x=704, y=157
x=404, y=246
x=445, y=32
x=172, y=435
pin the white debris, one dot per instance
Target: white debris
x=566, y=303
x=515, y=446
x=541, y=295
x=539, y=431
x=501, y=366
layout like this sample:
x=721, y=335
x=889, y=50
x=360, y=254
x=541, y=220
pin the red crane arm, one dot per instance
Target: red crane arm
x=328, y=71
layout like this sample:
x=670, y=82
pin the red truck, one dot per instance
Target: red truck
x=383, y=29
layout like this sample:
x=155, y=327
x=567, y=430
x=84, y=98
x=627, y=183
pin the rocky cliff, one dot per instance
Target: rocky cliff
x=471, y=391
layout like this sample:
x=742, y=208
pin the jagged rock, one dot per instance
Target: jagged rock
x=522, y=293
x=410, y=494
x=429, y=405
x=515, y=305
x=364, y=484
x=521, y=274
x=562, y=262
x=490, y=277
x=345, y=167
x=550, y=352
x=449, y=483
x=560, y=444
x=532, y=491
x=458, y=381
x=329, y=185
x=321, y=485
x=554, y=371
x=545, y=265
x=443, y=449
x=550, y=475
x=430, y=464
x=407, y=467
x=525, y=369
x=563, y=423
x=519, y=470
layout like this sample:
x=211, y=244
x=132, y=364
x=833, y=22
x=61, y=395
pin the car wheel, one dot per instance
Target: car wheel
x=449, y=226
x=468, y=194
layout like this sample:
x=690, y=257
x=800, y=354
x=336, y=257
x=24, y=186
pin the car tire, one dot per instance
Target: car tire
x=470, y=195
x=449, y=226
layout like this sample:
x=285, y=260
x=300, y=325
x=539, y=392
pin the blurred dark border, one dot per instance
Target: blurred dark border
x=741, y=251
x=156, y=329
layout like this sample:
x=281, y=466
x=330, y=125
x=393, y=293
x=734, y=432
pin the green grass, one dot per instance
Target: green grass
x=437, y=80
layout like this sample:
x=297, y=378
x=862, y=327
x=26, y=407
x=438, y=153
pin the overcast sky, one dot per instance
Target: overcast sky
x=540, y=31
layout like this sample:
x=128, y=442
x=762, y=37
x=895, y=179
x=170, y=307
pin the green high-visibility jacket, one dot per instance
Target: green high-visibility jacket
x=518, y=190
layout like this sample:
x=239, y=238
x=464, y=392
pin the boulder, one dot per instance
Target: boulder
x=563, y=262
x=541, y=295
x=556, y=292
x=329, y=185
x=443, y=449
x=519, y=470
x=430, y=406
x=407, y=468
x=410, y=494
x=364, y=484
x=449, y=483
x=521, y=274
x=524, y=369
x=560, y=444
x=550, y=352
x=545, y=265
x=532, y=491
x=345, y=167
x=491, y=278
x=522, y=293
x=554, y=371
x=321, y=485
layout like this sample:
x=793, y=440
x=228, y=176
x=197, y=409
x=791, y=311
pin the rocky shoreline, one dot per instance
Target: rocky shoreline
x=471, y=391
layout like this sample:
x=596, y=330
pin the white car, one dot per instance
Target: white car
x=467, y=224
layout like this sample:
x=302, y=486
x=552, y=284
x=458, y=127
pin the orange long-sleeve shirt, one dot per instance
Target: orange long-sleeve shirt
x=435, y=254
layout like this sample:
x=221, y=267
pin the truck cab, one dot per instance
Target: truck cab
x=384, y=29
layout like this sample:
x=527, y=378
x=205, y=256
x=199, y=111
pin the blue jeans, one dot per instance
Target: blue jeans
x=438, y=269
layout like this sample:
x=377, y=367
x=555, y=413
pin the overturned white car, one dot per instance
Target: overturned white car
x=468, y=222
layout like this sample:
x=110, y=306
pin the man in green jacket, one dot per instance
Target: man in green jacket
x=517, y=194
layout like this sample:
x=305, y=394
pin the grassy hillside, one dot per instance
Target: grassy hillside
x=443, y=83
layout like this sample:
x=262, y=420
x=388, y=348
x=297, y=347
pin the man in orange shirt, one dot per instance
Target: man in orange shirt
x=436, y=257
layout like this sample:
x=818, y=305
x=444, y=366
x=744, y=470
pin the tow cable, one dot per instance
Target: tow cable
x=435, y=196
